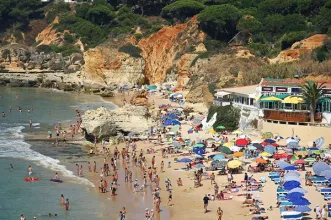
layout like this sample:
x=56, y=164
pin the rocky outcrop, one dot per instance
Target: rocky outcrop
x=106, y=66
x=161, y=49
x=140, y=98
x=105, y=123
x=300, y=48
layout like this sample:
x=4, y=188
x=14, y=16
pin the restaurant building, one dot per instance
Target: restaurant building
x=277, y=101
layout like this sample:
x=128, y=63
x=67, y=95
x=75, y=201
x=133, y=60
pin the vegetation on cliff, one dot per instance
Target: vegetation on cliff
x=227, y=116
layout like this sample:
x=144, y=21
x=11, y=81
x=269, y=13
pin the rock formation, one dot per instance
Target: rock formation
x=300, y=48
x=105, y=123
x=161, y=49
x=140, y=98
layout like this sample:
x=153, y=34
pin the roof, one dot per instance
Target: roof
x=239, y=90
x=291, y=82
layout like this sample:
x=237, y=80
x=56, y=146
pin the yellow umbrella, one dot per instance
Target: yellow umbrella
x=234, y=164
x=237, y=132
x=238, y=154
x=293, y=100
x=227, y=144
x=265, y=154
x=211, y=131
x=302, y=153
x=271, y=98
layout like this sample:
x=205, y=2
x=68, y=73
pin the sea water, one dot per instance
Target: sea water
x=41, y=197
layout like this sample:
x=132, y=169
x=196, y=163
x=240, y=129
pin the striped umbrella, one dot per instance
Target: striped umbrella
x=319, y=142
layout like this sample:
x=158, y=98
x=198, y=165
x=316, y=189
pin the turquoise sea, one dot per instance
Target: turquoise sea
x=42, y=197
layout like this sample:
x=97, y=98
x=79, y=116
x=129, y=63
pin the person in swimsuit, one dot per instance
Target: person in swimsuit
x=30, y=170
x=62, y=199
x=67, y=204
x=219, y=213
x=57, y=176
x=11, y=167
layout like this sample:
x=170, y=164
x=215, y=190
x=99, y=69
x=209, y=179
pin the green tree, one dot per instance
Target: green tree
x=249, y=25
x=227, y=116
x=269, y=7
x=323, y=20
x=220, y=21
x=100, y=15
x=312, y=92
x=182, y=9
x=274, y=25
x=82, y=9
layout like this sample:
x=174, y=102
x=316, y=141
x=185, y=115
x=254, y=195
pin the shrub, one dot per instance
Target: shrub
x=227, y=116
x=131, y=50
x=259, y=49
x=69, y=39
x=289, y=39
x=65, y=50
x=203, y=55
x=44, y=48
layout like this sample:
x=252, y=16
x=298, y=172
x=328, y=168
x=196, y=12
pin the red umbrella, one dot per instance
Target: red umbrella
x=299, y=162
x=275, y=144
x=280, y=156
x=241, y=142
x=264, y=144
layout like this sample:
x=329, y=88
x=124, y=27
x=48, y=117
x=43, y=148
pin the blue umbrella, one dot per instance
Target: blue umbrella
x=326, y=174
x=299, y=190
x=199, y=165
x=300, y=201
x=219, y=157
x=319, y=167
x=270, y=141
x=175, y=122
x=258, y=146
x=290, y=168
x=313, y=148
x=292, y=173
x=184, y=160
x=302, y=208
x=282, y=164
x=293, y=144
x=251, y=147
x=294, y=195
x=319, y=142
x=291, y=185
x=270, y=149
x=198, y=156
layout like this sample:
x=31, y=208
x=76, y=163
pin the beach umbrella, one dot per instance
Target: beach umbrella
x=313, y=148
x=292, y=173
x=265, y=154
x=267, y=135
x=225, y=150
x=292, y=157
x=227, y=144
x=269, y=141
x=319, y=142
x=301, y=153
x=235, y=148
x=282, y=164
x=317, y=152
x=291, y=185
x=319, y=167
x=258, y=146
x=294, y=195
x=237, y=132
x=299, y=162
x=199, y=145
x=238, y=154
x=290, y=168
x=260, y=160
x=184, y=160
x=234, y=164
x=302, y=208
x=176, y=144
x=298, y=189
x=197, y=156
x=275, y=144
x=290, y=139
x=292, y=178
x=220, y=127
x=280, y=156
x=292, y=145
x=326, y=174
x=241, y=142
x=251, y=147
x=310, y=160
x=278, y=137
x=219, y=157
x=199, y=165
x=270, y=149
x=199, y=150
x=300, y=201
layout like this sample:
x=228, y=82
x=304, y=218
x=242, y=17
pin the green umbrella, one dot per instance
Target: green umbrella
x=199, y=145
x=317, y=152
x=310, y=159
x=220, y=127
x=225, y=150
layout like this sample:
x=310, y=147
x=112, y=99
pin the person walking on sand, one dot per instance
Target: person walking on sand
x=170, y=199
x=219, y=213
x=205, y=203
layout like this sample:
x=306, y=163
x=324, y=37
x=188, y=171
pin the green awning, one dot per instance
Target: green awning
x=325, y=99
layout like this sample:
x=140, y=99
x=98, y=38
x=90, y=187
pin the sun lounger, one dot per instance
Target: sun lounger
x=286, y=203
x=281, y=191
x=327, y=197
x=273, y=174
x=325, y=191
x=291, y=215
x=318, y=180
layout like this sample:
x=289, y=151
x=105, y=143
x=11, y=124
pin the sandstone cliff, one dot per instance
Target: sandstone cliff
x=106, y=123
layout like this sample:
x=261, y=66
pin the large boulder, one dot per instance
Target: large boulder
x=106, y=123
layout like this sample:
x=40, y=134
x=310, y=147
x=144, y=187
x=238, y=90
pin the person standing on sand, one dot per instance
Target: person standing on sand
x=162, y=166
x=62, y=199
x=205, y=203
x=153, y=161
x=219, y=213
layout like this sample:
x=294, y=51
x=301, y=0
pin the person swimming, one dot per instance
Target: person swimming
x=30, y=170
x=11, y=167
x=57, y=176
x=3, y=114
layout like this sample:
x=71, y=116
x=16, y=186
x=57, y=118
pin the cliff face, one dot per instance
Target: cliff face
x=300, y=48
x=106, y=66
x=161, y=49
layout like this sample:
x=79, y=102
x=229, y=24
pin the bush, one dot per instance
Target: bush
x=65, y=50
x=289, y=39
x=44, y=48
x=203, y=55
x=227, y=116
x=214, y=45
x=130, y=49
x=259, y=49
x=69, y=39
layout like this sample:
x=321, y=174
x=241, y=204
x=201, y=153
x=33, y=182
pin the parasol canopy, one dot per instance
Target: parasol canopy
x=241, y=142
x=298, y=189
x=319, y=167
x=291, y=185
x=238, y=154
x=219, y=157
x=260, y=160
x=319, y=142
x=270, y=141
x=270, y=149
x=234, y=164
x=265, y=154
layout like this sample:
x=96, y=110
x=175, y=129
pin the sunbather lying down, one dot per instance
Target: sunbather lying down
x=260, y=217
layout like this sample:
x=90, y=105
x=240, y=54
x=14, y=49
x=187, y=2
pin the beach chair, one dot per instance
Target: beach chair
x=325, y=191
x=285, y=203
x=317, y=180
x=327, y=197
x=291, y=215
x=273, y=174
x=281, y=191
